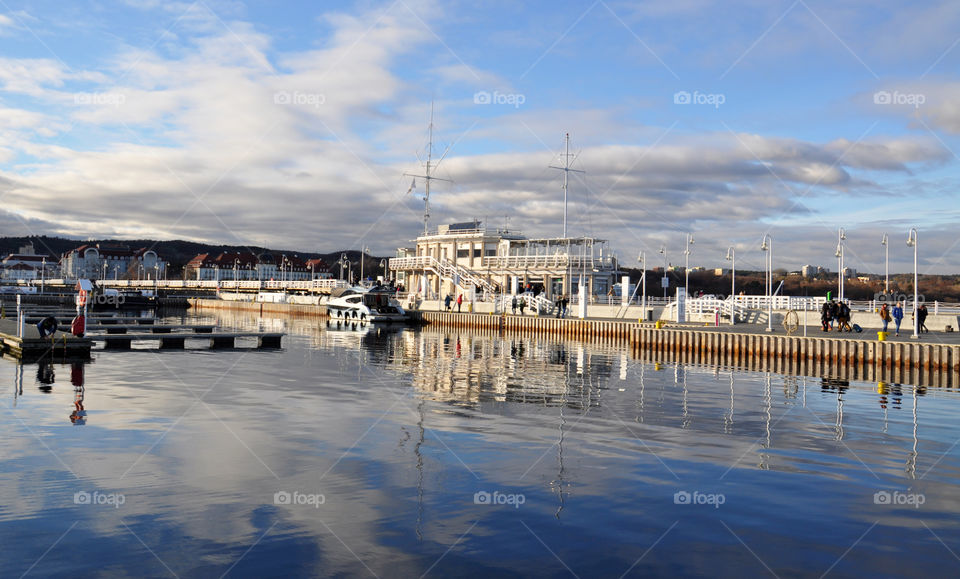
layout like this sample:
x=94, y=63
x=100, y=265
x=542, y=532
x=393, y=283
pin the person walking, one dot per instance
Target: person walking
x=922, y=318
x=884, y=316
x=825, y=317
x=523, y=305
x=843, y=317
x=513, y=305
x=446, y=302
x=897, y=316
x=459, y=302
x=559, y=306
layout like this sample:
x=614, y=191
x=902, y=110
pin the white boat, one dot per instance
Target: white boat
x=376, y=304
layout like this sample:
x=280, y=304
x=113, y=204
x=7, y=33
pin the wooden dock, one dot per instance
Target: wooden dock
x=171, y=341
x=32, y=347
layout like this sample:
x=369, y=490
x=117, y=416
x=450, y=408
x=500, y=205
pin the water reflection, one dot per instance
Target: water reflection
x=400, y=429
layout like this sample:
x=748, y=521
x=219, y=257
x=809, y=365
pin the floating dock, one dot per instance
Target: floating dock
x=32, y=347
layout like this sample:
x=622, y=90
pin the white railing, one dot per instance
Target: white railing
x=536, y=304
x=445, y=269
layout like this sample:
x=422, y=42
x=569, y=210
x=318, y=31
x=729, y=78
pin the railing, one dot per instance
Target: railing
x=445, y=269
x=206, y=284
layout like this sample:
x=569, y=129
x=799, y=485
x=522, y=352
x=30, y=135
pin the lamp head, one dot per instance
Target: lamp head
x=763, y=246
x=884, y=240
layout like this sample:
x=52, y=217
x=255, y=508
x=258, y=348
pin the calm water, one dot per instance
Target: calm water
x=402, y=454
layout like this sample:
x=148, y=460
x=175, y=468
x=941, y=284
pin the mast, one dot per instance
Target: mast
x=566, y=171
x=427, y=176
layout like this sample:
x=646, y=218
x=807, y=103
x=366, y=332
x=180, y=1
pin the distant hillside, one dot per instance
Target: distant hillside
x=177, y=252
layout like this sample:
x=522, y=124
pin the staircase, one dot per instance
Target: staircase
x=452, y=271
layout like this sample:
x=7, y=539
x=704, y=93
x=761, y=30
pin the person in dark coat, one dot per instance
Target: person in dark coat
x=922, y=318
x=446, y=302
x=825, y=317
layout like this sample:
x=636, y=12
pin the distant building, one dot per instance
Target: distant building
x=849, y=272
x=230, y=266
x=720, y=271
x=27, y=264
x=319, y=269
x=810, y=271
x=102, y=261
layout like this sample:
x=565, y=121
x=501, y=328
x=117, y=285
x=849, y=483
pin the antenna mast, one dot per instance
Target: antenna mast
x=427, y=176
x=566, y=171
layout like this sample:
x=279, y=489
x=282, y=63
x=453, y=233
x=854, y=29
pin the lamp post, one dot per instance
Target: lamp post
x=686, y=267
x=363, y=253
x=236, y=266
x=386, y=270
x=116, y=272
x=913, y=242
x=104, y=275
x=732, y=258
x=343, y=263
x=43, y=271
x=886, y=265
x=663, y=251
x=642, y=259
x=841, y=235
x=767, y=246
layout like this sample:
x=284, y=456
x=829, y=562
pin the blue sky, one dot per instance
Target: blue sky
x=292, y=123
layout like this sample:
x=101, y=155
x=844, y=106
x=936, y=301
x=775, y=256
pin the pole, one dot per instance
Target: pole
x=566, y=158
x=913, y=240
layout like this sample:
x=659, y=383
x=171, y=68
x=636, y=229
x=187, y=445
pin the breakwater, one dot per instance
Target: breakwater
x=843, y=358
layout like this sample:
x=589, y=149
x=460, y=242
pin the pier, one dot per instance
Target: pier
x=30, y=346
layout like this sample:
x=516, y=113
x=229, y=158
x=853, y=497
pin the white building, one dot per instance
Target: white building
x=461, y=257
x=102, y=261
x=27, y=264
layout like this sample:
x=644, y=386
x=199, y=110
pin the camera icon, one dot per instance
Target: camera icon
x=482, y=498
x=681, y=498
x=81, y=498
x=281, y=498
x=881, y=498
x=681, y=98
x=481, y=98
x=282, y=98
x=882, y=97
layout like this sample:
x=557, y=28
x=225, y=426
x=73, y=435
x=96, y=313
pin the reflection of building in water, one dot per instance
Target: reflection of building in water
x=470, y=368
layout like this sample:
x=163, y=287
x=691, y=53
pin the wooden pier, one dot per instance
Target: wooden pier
x=171, y=341
x=32, y=347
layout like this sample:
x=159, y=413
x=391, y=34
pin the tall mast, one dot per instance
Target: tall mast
x=427, y=176
x=566, y=171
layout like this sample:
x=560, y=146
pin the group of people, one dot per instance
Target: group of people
x=837, y=314
x=449, y=300
x=561, y=306
x=896, y=314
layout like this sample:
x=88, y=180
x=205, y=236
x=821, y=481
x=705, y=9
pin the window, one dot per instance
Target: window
x=490, y=252
x=477, y=252
x=463, y=253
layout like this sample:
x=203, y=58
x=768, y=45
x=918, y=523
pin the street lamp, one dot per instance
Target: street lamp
x=642, y=259
x=686, y=267
x=363, y=253
x=886, y=265
x=43, y=271
x=913, y=242
x=386, y=270
x=841, y=235
x=343, y=263
x=663, y=252
x=732, y=258
x=236, y=265
x=767, y=246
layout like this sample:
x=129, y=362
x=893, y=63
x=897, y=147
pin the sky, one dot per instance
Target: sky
x=292, y=124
